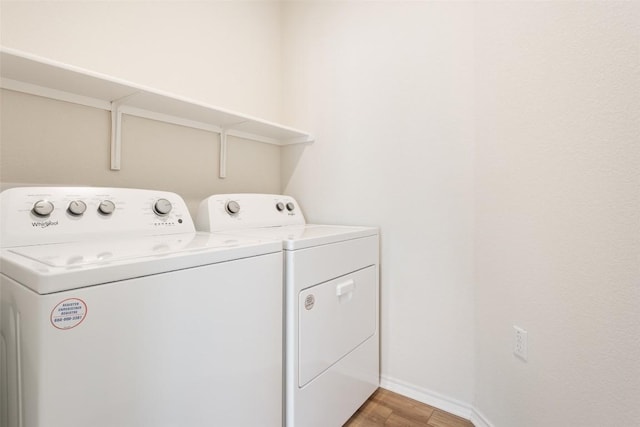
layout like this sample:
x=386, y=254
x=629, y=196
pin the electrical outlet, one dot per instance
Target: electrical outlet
x=520, y=343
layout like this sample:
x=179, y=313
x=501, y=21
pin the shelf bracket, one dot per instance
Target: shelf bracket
x=223, y=153
x=116, y=136
x=116, y=130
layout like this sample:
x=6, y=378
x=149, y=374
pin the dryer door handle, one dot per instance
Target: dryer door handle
x=345, y=287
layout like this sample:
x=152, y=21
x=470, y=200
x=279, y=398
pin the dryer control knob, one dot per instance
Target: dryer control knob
x=162, y=207
x=290, y=206
x=232, y=207
x=106, y=207
x=42, y=208
x=77, y=207
x=280, y=206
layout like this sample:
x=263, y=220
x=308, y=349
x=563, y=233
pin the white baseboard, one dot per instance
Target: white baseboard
x=437, y=400
x=479, y=420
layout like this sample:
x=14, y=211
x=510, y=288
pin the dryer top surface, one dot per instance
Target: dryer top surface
x=296, y=237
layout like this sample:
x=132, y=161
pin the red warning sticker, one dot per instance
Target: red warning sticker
x=68, y=313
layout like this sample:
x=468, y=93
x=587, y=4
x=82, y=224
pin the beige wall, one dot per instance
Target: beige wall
x=558, y=212
x=224, y=53
x=497, y=144
x=220, y=53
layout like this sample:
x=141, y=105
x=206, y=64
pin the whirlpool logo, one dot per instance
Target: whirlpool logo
x=44, y=224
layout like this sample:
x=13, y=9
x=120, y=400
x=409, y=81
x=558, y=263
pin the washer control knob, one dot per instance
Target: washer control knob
x=106, y=207
x=232, y=207
x=162, y=207
x=280, y=206
x=42, y=208
x=77, y=207
x=290, y=206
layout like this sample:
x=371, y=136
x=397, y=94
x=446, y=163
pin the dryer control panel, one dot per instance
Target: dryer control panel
x=222, y=212
x=41, y=215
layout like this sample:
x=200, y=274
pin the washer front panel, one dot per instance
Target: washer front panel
x=184, y=348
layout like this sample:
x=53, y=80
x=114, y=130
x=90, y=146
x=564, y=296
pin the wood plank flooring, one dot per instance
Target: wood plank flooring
x=389, y=409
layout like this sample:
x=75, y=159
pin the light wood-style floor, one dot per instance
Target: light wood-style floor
x=388, y=409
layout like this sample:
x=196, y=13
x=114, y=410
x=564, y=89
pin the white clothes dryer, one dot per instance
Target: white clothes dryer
x=115, y=312
x=331, y=303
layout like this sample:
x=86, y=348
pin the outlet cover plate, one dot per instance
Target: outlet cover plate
x=520, y=343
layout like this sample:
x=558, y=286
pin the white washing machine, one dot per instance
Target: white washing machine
x=331, y=303
x=115, y=312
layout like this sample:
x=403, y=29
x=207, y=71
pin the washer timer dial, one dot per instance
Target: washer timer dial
x=162, y=207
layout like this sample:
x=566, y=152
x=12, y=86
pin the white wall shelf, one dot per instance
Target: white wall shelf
x=34, y=75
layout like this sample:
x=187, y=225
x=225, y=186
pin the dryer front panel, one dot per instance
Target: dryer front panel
x=334, y=318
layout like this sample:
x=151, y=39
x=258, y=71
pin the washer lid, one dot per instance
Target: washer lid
x=295, y=237
x=63, y=266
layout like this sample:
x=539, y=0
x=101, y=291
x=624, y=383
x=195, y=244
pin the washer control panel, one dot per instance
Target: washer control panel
x=222, y=212
x=40, y=215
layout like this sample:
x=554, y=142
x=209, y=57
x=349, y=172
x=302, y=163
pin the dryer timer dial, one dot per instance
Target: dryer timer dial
x=232, y=207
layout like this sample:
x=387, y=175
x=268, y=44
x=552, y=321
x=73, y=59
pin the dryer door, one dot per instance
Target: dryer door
x=334, y=318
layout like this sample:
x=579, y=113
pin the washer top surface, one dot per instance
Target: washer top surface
x=63, y=266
